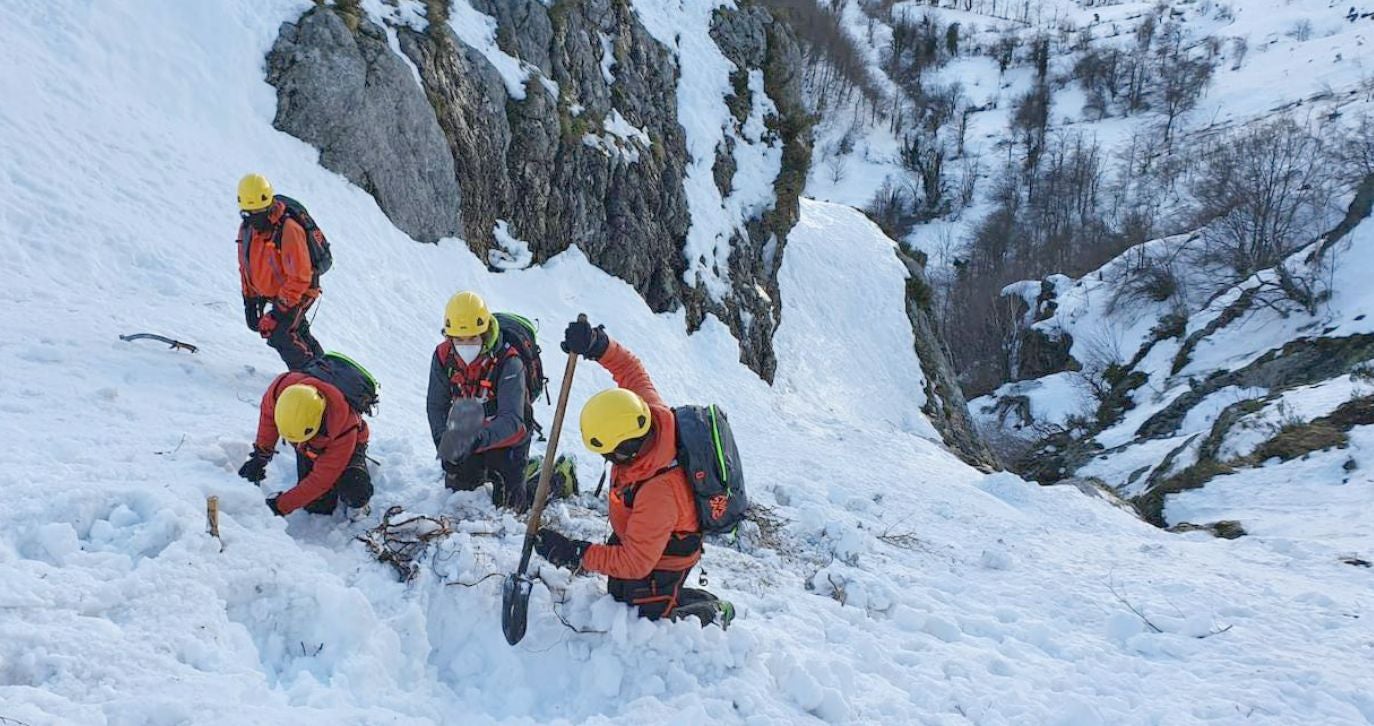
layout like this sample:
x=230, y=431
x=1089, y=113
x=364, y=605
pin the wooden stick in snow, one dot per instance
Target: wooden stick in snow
x=212, y=518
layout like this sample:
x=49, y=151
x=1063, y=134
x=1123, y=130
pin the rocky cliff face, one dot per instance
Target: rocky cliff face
x=945, y=404
x=343, y=91
x=558, y=127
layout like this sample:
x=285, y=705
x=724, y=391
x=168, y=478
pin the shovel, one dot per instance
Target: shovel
x=515, y=591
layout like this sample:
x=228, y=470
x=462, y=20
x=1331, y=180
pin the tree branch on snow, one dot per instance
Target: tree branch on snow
x=1121, y=599
x=1139, y=613
x=837, y=590
x=402, y=543
x=906, y=540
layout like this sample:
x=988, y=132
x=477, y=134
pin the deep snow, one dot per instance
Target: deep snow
x=901, y=587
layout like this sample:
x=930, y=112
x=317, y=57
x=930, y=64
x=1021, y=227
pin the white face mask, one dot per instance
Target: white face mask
x=468, y=353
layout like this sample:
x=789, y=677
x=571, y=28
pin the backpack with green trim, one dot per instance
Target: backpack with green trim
x=358, y=386
x=518, y=332
x=707, y=453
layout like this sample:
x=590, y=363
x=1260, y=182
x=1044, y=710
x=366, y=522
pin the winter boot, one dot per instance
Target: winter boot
x=563, y=483
x=706, y=607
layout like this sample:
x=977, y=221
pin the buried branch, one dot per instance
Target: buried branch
x=401, y=543
x=1121, y=598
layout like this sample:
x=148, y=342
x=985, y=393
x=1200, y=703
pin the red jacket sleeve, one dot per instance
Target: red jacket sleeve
x=629, y=373
x=295, y=259
x=329, y=466
x=646, y=535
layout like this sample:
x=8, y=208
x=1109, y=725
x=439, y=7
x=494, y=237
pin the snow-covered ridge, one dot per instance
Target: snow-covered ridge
x=1239, y=405
x=895, y=585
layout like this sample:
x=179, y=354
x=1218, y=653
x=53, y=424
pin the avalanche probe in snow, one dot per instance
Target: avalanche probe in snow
x=173, y=344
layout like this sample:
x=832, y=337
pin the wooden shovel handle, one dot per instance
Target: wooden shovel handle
x=541, y=494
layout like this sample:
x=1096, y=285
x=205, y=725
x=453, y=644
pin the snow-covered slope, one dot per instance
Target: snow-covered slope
x=1242, y=407
x=897, y=586
x=1267, y=56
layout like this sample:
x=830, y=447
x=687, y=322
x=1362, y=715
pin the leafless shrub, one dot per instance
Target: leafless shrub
x=924, y=155
x=893, y=209
x=1155, y=283
x=836, y=165
x=1181, y=79
x=1030, y=117
x=1301, y=31
x=1354, y=150
x=1239, y=47
x=1262, y=193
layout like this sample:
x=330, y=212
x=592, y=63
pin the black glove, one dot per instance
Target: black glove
x=255, y=469
x=252, y=312
x=272, y=505
x=559, y=550
x=581, y=338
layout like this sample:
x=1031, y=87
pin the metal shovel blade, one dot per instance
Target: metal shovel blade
x=515, y=606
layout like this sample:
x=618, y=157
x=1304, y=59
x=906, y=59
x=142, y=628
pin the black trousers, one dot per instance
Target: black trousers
x=292, y=339
x=504, y=468
x=354, y=486
x=658, y=595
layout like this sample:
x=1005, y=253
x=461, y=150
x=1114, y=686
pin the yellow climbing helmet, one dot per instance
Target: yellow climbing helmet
x=612, y=417
x=255, y=193
x=300, y=408
x=466, y=315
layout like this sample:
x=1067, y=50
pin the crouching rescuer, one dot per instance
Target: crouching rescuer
x=318, y=412
x=483, y=379
x=655, y=510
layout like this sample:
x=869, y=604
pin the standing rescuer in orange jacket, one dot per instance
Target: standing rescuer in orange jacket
x=656, y=537
x=275, y=268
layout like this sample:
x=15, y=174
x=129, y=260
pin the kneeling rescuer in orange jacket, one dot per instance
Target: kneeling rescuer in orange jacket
x=656, y=536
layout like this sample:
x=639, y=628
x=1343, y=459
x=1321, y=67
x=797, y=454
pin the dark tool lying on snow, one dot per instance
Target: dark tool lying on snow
x=175, y=344
x=515, y=591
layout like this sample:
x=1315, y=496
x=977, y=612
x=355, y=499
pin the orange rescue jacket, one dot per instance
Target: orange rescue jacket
x=652, y=508
x=283, y=273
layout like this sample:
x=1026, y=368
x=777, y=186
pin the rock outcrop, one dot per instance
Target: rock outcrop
x=590, y=152
x=343, y=91
x=945, y=405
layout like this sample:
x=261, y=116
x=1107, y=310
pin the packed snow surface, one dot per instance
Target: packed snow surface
x=897, y=585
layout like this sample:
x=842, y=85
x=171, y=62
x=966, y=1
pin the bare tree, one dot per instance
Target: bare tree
x=1239, y=47
x=1261, y=194
x=1355, y=150
x=1030, y=117
x=836, y=166
x=1181, y=80
x=893, y=209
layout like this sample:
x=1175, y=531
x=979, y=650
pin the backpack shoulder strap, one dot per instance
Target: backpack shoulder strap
x=281, y=227
x=500, y=358
x=445, y=355
x=245, y=245
x=633, y=488
x=287, y=215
